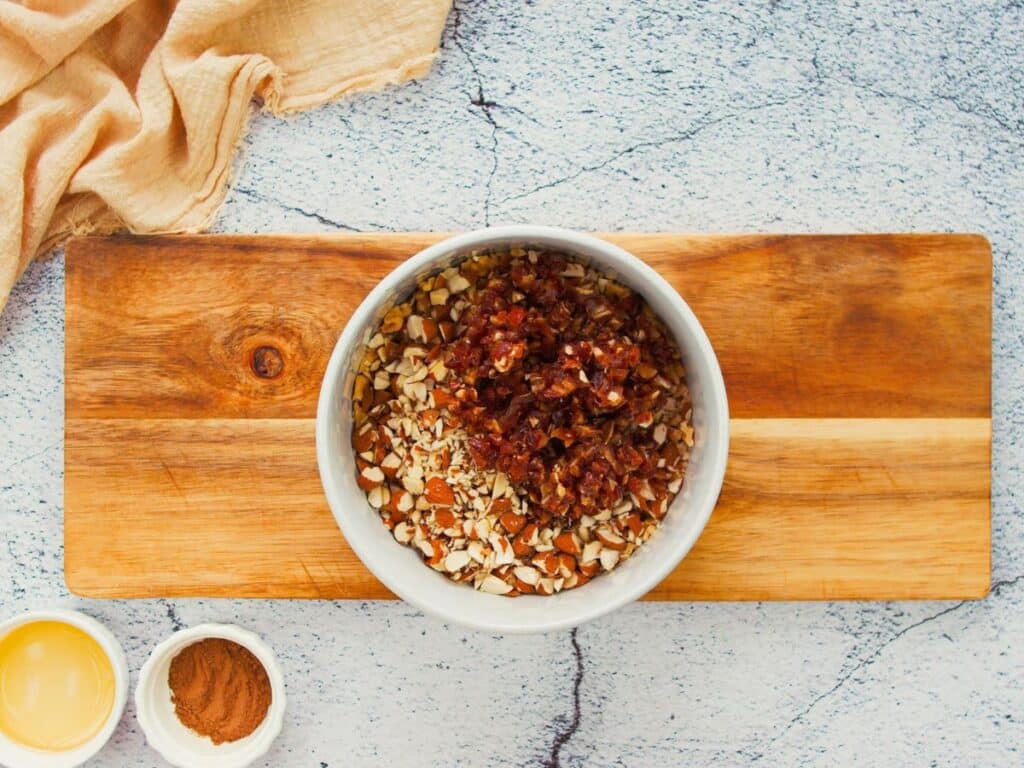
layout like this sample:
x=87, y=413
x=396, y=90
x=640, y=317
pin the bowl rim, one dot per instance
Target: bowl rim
x=572, y=241
x=20, y=756
x=267, y=731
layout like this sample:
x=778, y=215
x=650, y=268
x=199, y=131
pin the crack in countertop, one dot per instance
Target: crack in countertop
x=483, y=104
x=252, y=194
x=572, y=721
x=870, y=659
x=701, y=125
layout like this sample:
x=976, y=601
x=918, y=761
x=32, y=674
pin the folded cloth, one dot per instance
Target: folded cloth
x=118, y=114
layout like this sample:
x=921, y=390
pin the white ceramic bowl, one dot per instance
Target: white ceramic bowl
x=177, y=744
x=401, y=569
x=15, y=755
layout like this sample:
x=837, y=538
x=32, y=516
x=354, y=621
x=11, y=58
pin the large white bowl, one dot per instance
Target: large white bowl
x=401, y=569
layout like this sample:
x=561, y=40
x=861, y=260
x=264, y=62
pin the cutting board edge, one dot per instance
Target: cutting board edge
x=76, y=245
x=981, y=592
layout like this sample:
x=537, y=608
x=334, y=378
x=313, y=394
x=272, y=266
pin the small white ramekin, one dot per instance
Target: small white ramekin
x=15, y=755
x=401, y=568
x=177, y=744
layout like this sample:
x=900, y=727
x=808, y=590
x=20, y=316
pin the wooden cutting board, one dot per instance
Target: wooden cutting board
x=858, y=370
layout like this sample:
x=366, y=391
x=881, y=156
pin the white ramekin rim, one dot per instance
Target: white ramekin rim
x=434, y=256
x=15, y=755
x=230, y=754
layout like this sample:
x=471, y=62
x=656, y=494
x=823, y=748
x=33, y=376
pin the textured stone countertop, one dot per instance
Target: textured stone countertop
x=773, y=116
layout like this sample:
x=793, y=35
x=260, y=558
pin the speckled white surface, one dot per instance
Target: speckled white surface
x=771, y=116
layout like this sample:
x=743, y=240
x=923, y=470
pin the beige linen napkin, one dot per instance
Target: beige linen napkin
x=126, y=114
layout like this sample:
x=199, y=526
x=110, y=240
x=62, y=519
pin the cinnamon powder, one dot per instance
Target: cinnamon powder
x=219, y=689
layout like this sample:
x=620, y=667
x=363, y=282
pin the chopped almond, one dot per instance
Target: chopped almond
x=439, y=492
x=568, y=542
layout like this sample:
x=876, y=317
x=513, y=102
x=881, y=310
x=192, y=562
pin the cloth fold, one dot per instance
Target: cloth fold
x=126, y=114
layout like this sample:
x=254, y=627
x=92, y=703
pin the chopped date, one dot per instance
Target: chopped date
x=560, y=375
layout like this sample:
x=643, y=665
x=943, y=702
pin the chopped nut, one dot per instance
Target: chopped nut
x=456, y=561
x=404, y=501
x=443, y=516
x=482, y=528
x=512, y=522
x=500, y=485
x=392, y=321
x=591, y=551
x=426, y=547
x=378, y=496
x=475, y=549
x=610, y=539
x=568, y=542
x=413, y=485
x=527, y=575
x=438, y=371
x=495, y=586
x=439, y=492
x=390, y=464
x=609, y=558
x=566, y=564
x=503, y=553
x=660, y=433
x=414, y=325
x=403, y=532
x=416, y=390
x=547, y=562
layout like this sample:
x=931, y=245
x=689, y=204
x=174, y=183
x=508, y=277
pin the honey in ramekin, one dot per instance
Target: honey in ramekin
x=56, y=686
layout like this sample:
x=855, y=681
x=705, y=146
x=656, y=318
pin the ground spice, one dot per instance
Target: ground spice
x=219, y=689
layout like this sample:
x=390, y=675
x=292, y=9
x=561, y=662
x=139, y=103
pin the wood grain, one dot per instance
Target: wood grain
x=872, y=508
x=858, y=371
x=804, y=326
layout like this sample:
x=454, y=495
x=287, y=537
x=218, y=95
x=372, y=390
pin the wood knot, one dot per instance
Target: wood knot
x=267, y=362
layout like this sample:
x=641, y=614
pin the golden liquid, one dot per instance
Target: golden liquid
x=56, y=686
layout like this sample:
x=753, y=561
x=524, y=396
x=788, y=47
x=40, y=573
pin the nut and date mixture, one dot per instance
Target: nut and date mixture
x=522, y=420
